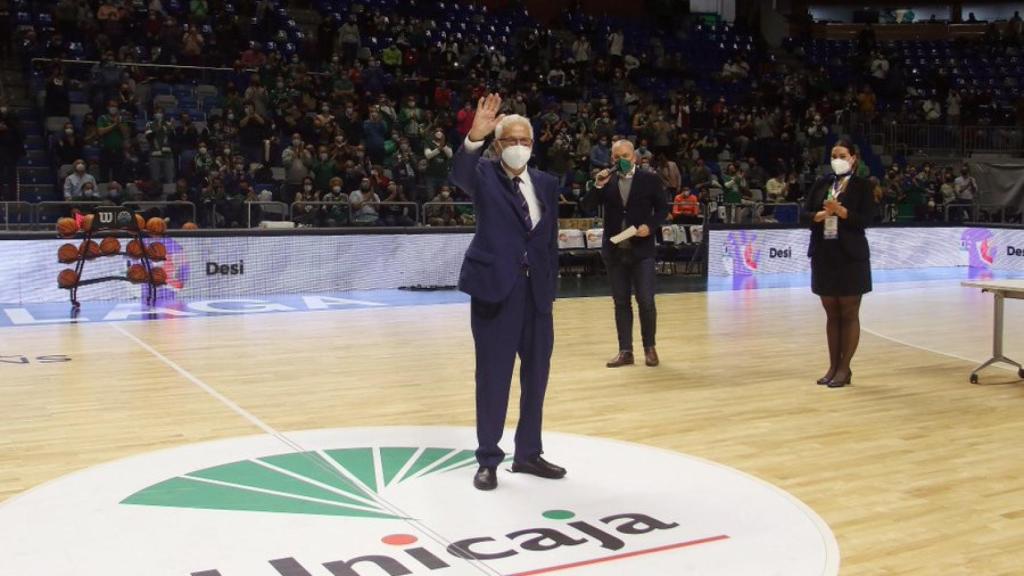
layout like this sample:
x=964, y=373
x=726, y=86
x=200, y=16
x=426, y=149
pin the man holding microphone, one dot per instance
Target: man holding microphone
x=634, y=206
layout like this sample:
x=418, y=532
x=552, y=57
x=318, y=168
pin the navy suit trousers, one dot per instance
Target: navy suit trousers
x=502, y=330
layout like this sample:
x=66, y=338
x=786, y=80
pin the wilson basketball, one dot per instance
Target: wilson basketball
x=156, y=251
x=90, y=248
x=156, y=226
x=87, y=222
x=159, y=276
x=136, y=274
x=67, y=227
x=140, y=222
x=134, y=249
x=189, y=226
x=110, y=246
x=67, y=278
x=67, y=253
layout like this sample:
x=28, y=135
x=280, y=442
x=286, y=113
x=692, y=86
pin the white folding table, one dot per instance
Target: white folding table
x=1001, y=290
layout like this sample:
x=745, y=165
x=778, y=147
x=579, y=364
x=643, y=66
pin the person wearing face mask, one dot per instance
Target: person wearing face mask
x=297, y=159
x=161, y=159
x=631, y=198
x=74, y=184
x=686, y=207
x=511, y=272
x=113, y=129
x=439, y=160
x=69, y=147
x=840, y=207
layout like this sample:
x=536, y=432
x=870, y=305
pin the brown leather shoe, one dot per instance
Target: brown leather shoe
x=651, y=356
x=623, y=358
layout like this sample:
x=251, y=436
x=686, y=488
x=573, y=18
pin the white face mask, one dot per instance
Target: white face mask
x=516, y=157
x=840, y=166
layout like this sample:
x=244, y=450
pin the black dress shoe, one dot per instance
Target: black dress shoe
x=539, y=467
x=486, y=478
x=824, y=380
x=835, y=383
x=651, y=356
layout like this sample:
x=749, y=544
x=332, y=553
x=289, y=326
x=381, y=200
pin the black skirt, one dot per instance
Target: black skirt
x=833, y=273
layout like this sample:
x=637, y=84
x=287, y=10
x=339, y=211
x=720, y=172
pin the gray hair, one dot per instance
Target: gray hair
x=510, y=120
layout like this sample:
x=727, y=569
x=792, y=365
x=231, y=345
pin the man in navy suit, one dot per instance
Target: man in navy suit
x=511, y=273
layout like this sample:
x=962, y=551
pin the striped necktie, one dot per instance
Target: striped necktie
x=524, y=206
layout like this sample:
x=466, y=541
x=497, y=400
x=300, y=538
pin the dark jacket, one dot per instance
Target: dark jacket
x=859, y=200
x=494, y=259
x=646, y=205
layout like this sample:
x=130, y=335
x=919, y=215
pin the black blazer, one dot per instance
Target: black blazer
x=859, y=200
x=646, y=205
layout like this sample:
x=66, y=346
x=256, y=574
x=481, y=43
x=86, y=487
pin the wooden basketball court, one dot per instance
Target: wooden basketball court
x=915, y=470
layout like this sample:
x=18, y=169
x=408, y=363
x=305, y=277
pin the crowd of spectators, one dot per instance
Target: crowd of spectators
x=359, y=124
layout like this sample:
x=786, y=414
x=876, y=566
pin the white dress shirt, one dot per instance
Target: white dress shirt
x=526, y=186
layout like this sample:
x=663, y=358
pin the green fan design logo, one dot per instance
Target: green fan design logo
x=340, y=482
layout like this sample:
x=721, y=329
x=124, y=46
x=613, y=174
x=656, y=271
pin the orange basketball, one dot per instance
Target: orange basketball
x=156, y=226
x=67, y=278
x=136, y=274
x=189, y=226
x=140, y=222
x=134, y=249
x=90, y=248
x=66, y=227
x=159, y=276
x=110, y=246
x=156, y=251
x=87, y=222
x=67, y=253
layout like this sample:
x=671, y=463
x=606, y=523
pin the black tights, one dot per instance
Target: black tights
x=843, y=330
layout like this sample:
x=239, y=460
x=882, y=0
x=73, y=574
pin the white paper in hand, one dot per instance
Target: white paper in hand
x=624, y=235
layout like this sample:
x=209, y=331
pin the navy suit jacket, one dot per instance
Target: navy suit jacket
x=494, y=259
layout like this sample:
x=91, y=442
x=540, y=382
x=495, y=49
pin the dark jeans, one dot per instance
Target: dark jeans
x=628, y=276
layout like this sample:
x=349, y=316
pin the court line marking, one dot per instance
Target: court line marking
x=408, y=518
x=932, y=350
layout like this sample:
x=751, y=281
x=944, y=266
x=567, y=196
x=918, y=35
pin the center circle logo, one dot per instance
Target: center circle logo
x=398, y=501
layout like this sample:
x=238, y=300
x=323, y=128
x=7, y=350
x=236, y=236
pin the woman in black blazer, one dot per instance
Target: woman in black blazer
x=840, y=207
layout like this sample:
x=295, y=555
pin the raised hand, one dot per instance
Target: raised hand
x=487, y=117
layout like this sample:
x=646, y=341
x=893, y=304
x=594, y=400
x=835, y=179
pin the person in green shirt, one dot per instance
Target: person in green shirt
x=324, y=169
x=113, y=129
x=199, y=8
x=391, y=57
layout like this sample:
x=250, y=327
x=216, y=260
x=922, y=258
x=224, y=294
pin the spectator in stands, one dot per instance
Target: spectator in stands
x=395, y=215
x=75, y=183
x=966, y=188
x=161, y=157
x=57, y=101
x=334, y=211
x=686, y=207
x=441, y=215
x=69, y=147
x=776, y=189
x=363, y=204
x=438, y=155
x=601, y=154
x=12, y=148
x=113, y=129
x=297, y=159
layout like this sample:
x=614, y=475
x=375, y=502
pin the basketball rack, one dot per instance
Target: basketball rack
x=112, y=219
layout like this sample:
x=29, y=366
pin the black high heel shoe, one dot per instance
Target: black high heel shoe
x=824, y=380
x=840, y=383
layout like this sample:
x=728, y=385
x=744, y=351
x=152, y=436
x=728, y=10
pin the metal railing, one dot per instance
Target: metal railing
x=23, y=212
x=954, y=140
x=974, y=212
x=281, y=209
x=41, y=208
x=143, y=205
x=339, y=203
x=452, y=206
